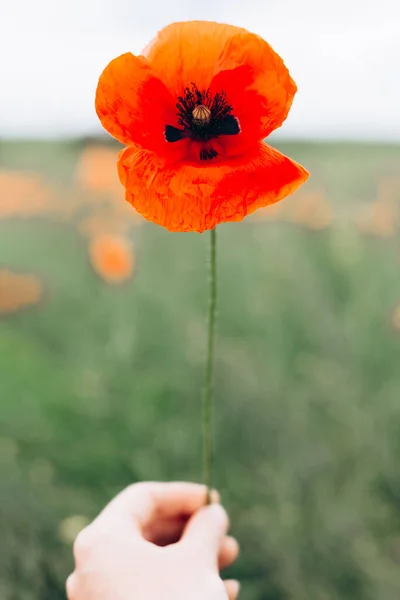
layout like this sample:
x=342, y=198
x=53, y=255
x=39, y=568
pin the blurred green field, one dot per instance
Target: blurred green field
x=100, y=385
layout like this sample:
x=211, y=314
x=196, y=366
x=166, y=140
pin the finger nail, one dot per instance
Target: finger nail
x=235, y=587
x=216, y=509
x=217, y=514
x=236, y=583
x=215, y=497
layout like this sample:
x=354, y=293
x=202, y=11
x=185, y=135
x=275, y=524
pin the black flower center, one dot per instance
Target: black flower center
x=203, y=117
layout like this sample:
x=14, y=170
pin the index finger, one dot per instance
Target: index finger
x=142, y=503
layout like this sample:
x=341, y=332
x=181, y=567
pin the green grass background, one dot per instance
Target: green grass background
x=101, y=386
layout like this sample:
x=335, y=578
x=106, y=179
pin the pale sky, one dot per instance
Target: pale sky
x=343, y=54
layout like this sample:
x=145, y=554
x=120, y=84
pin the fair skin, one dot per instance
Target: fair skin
x=155, y=541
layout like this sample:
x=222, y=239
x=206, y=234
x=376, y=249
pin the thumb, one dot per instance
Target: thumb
x=206, y=531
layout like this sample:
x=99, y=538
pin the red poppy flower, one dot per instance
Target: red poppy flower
x=193, y=111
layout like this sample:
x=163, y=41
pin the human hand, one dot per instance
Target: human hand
x=155, y=541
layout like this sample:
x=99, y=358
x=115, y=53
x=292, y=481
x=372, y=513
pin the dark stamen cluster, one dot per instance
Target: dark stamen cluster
x=203, y=116
x=218, y=106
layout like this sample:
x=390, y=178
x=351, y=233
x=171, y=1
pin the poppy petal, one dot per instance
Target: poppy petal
x=185, y=53
x=133, y=104
x=225, y=58
x=186, y=197
x=257, y=84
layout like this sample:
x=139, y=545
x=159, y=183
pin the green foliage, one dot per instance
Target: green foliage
x=100, y=386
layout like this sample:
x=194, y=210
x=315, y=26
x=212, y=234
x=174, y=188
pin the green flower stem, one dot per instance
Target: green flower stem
x=208, y=408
